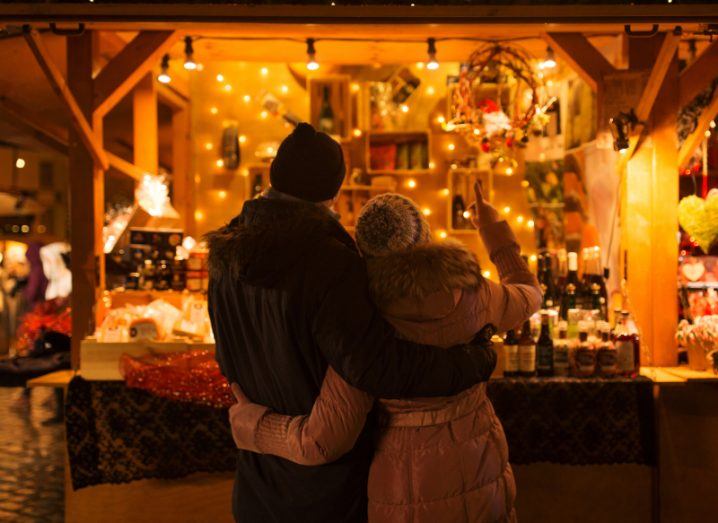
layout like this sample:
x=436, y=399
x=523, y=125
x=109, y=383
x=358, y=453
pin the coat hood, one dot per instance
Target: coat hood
x=267, y=240
x=422, y=271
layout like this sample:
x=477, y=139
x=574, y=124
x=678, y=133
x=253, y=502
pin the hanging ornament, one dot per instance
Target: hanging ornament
x=497, y=98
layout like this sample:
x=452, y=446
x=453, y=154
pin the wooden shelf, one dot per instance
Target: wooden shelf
x=400, y=172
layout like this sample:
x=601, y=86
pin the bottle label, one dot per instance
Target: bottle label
x=585, y=361
x=544, y=357
x=624, y=356
x=607, y=361
x=560, y=360
x=527, y=358
x=511, y=358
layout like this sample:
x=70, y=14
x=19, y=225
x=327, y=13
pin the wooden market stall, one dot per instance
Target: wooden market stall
x=104, y=63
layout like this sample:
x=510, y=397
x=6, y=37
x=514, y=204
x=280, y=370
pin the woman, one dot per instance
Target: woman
x=437, y=459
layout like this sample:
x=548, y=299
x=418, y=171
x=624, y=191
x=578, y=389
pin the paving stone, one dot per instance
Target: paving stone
x=32, y=457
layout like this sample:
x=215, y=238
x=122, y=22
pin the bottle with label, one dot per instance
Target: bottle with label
x=550, y=297
x=627, y=348
x=511, y=354
x=572, y=279
x=147, y=276
x=544, y=348
x=527, y=352
x=163, y=276
x=585, y=366
x=606, y=360
x=326, y=113
x=561, y=361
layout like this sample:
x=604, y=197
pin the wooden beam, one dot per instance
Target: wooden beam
x=118, y=77
x=582, y=56
x=698, y=75
x=664, y=58
x=691, y=143
x=125, y=167
x=86, y=192
x=145, y=125
x=175, y=99
x=45, y=132
x=183, y=197
x=57, y=82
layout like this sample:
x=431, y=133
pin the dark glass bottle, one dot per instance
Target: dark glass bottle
x=550, y=297
x=511, y=354
x=179, y=274
x=527, y=352
x=544, y=348
x=568, y=300
x=572, y=279
x=561, y=359
x=326, y=113
x=163, y=276
x=627, y=348
x=585, y=355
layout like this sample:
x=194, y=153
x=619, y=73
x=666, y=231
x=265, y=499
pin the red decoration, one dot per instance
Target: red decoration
x=191, y=376
x=52, y=315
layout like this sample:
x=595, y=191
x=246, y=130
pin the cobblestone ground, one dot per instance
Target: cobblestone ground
x=31, y=458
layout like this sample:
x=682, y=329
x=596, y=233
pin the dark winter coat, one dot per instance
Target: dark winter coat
x=289, y=296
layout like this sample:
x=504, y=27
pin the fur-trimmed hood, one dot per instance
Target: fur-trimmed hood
x=268, y=238
x=423, y=270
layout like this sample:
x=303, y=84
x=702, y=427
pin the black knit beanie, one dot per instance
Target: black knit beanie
x=309, y=165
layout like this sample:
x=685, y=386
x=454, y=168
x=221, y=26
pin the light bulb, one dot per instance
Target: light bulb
x=312, y=63
x=222, y=194
x=507, y=209
x=213, y=110
x=451, y=146
x=263, y=115
x=466, y=214
x=354, y=87
x=189, y=62
x=20, y=163
x=264, y=71
x=219, y=163
x=432, y=64
x=486, y=274
x=426, y=211
x=208, y=146
x=284, y=89
x=404, y=108
x=357, y=132
x=430, y=91
x=411, y=183
x=220, y=78
x=530, y=224
x=242, y=138
x=445, y=192
x=442, y=235
x=247, y=98
x=432, y=165
x=419, y=65
x=199, y=215
x=164, y=76
x=228, y=88
x=520, y=219
x=533, y=258
x=440, y=119
x=550, y=61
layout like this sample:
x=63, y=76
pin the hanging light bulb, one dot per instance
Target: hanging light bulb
x=312, y=63
x=432, y=64
x=189, y=62
x=164, y=77
x=550, y=61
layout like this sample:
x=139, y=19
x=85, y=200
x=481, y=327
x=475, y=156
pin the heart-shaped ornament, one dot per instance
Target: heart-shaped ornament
x=693, y=270
x=699, y=218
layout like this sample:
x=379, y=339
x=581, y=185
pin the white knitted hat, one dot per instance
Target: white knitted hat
x=389, y=223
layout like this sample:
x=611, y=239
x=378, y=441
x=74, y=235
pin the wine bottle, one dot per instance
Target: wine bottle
x=561, y=360
x=550, y=297
x=527, y=352
x=326, y=113
x=544, y=348
x=627, y=347
x=606, y=360
x=585, y=355
x=511, y=354
x=572, y=279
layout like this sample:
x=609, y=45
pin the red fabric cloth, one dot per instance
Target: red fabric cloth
x=191, y=376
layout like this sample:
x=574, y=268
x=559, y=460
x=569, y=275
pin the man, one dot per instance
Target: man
x=288, y=297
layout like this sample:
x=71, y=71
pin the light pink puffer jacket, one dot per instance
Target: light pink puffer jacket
x=437, y=459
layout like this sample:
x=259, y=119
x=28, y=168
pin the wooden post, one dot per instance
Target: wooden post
x=144, y=103
x=650, y=221
x=183, y=183
x=86, y=199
